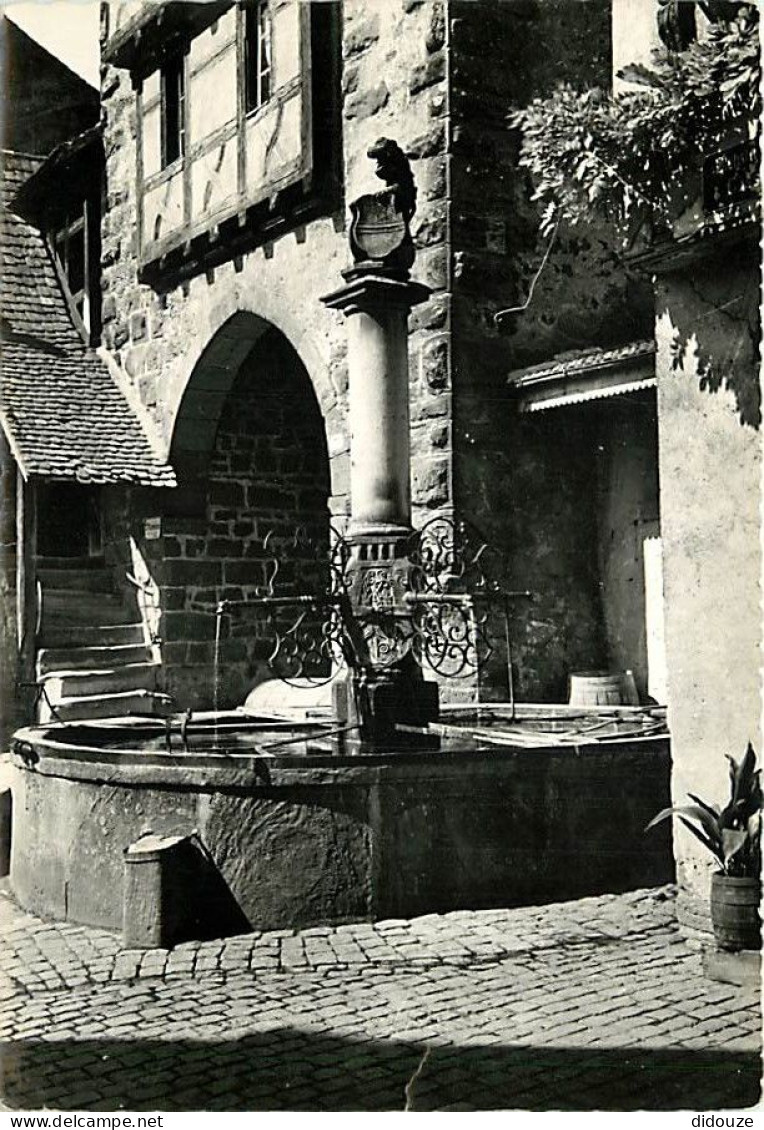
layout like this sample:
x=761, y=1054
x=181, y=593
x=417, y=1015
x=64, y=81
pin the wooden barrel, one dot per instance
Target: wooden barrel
x=735, y=912
x=595, y=688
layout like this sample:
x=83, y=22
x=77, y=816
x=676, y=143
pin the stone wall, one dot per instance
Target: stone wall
x=526, y=483
x=531, y=481
x=156, y=338
x=709, y=404
x=268, y=478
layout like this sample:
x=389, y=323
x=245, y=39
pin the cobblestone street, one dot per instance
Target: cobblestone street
x=593, y=1004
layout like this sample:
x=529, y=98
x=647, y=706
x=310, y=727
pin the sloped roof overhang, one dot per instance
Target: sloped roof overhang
x=140, y=42
x=591, y=375
x=714, y=237
x=55, y=172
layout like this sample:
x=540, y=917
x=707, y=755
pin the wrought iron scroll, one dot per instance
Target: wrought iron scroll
x=447, y=619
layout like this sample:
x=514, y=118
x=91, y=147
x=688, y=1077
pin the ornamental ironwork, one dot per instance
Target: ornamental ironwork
x=447, y=615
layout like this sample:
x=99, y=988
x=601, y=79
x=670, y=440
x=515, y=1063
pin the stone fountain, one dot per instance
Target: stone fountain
x=223, y=823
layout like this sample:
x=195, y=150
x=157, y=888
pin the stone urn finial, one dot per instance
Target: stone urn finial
x=379, y=230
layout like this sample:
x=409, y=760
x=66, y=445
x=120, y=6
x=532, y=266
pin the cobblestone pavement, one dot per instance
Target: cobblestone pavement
x=592, y=1004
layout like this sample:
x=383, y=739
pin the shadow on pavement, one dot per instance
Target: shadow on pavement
x=289, y=1069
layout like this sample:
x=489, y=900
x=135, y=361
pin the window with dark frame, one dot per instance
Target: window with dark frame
x=257, y=55
x=173, y=109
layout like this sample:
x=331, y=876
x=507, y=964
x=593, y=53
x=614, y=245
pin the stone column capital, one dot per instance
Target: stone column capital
x=369, y=287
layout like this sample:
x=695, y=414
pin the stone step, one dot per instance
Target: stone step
x=50, y=659
x=117, y=705
x=79, y=607
x=110, y=680
x=90, y=635
x=82, y=580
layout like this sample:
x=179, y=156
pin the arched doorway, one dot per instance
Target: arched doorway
x=251, y=454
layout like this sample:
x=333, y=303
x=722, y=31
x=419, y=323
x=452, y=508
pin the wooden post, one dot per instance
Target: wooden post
x=26, y=579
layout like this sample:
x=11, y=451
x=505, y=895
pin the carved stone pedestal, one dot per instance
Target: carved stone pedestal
x=382, y=703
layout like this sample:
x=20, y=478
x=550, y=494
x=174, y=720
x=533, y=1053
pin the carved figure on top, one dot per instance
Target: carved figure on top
x=379, y=229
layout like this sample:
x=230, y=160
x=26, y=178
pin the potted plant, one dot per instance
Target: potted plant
x=733, y=836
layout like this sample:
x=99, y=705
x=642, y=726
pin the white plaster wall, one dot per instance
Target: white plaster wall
x=635, y=35
x=710, y=476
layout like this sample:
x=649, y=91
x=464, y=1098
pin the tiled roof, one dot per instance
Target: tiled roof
x=15, y=169
x=584, y=360
x=586, y=375
x=45, y=175
x=63, y=413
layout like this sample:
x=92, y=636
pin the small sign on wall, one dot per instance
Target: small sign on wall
x=152, y=528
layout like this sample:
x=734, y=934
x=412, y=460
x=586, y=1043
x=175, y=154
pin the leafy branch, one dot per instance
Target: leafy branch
x=637, y=156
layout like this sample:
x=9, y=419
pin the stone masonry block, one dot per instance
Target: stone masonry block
x=196, y=572
x=427, y=74
x=173, y=653
x=436, y=35
x=361, y=33
x=430, y=482
x=434, y=363
x=368, y=102
x=439, y=437
x=174, y=598
x=135, y=361
x=434, y=407
x=187, y=626
x=227, y=494
x=431, y=315
x=349, y=80
x=225, y=547
x=138, y=326
x=438, y=103
x=433, y=267
x=428, y=144
x=171, y=547
x=431, y=227
x=201, y=654
x=242, y=573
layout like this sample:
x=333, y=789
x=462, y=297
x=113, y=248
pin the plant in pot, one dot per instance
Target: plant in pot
x=733, y=836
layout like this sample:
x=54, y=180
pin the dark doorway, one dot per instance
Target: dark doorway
x=69, y=521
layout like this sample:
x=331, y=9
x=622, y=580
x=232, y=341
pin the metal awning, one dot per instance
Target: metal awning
x=593, y=374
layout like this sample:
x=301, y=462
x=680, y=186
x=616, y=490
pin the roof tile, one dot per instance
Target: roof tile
x=64, y=413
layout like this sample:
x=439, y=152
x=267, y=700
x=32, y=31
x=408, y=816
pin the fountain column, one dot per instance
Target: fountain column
x=377, y=305
x=376, y=299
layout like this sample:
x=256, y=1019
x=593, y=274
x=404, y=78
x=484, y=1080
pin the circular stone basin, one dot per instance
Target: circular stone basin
x=286, y=826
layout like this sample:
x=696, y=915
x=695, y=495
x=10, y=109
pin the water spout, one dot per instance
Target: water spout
x=220, y=612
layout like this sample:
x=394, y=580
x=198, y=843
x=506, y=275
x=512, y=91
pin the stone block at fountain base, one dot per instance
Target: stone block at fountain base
x=294, y=841
x=384, y=704
x=158, y=891
x=173, y=893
